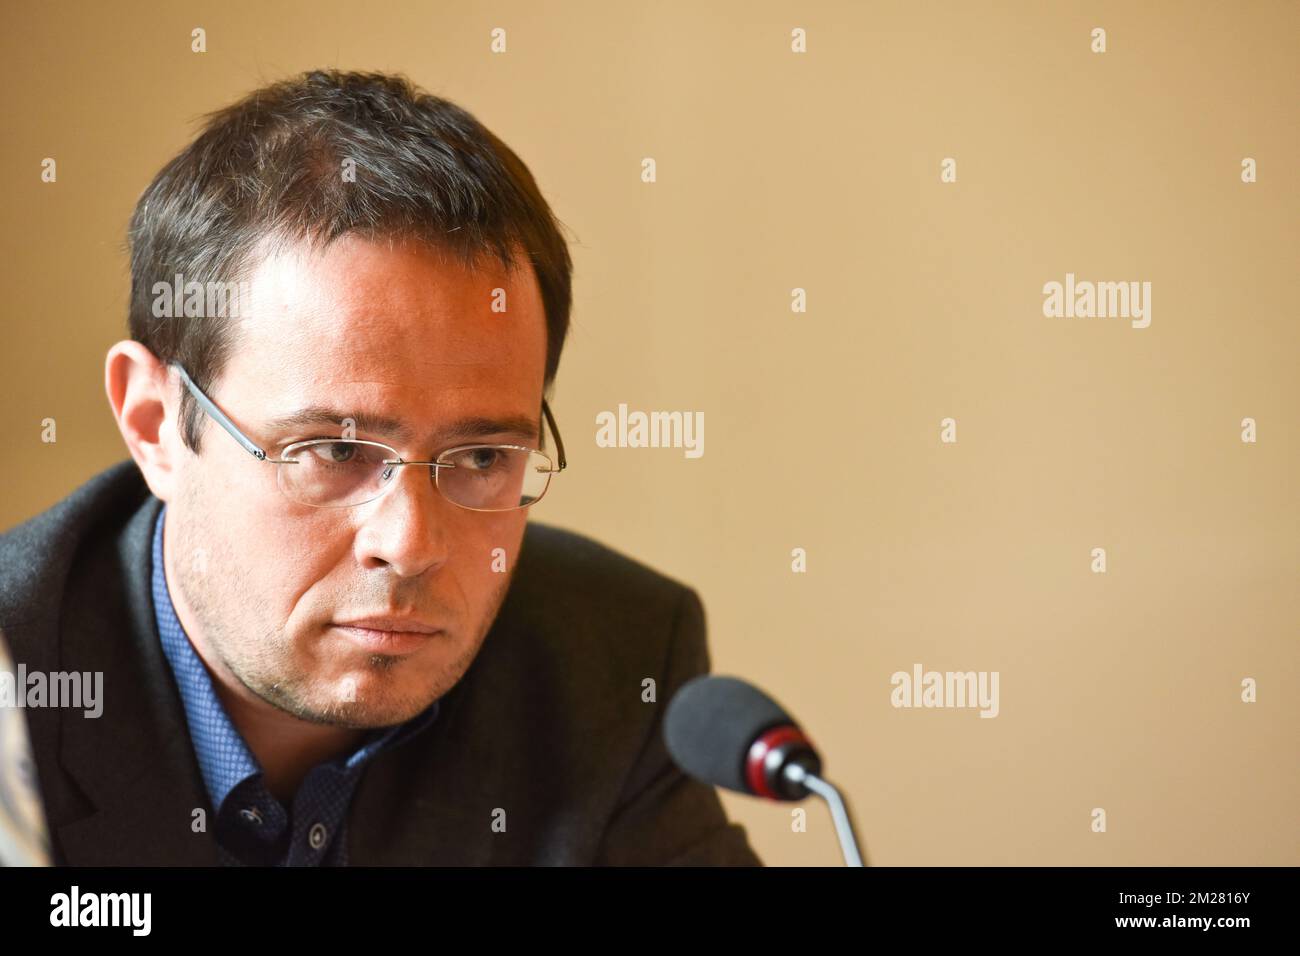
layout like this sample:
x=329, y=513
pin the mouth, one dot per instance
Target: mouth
x=388, y=635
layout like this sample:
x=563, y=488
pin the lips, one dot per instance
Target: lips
x=403, y=625
x=388, y=635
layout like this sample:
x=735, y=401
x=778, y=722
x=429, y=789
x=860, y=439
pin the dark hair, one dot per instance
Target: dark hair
x=270, y=167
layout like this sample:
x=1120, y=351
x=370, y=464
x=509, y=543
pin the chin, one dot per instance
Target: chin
x=392, y=687
x=384, y=710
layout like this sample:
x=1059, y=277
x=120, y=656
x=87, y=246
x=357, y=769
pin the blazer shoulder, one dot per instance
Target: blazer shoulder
x=577, y=575
x=36, y=555
x=584, y=609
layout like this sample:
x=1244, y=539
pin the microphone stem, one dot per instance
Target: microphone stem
x=839, y=810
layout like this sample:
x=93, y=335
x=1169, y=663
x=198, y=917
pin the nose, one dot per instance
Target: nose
x=405, y=528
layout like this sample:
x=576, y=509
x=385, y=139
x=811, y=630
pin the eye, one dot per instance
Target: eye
x=483, y=458
x=472, y=461
x=327, y=452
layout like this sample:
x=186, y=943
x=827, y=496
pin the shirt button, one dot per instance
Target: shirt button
x=317, y=836
x=251, y=815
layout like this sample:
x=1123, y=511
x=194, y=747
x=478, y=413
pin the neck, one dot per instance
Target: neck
x=285, y=746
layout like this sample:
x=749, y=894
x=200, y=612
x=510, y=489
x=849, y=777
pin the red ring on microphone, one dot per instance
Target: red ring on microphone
x=755, y=774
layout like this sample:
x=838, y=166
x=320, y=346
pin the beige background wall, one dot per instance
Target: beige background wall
x=821, y=171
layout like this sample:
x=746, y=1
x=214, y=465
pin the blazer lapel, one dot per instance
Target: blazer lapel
x=134, y=763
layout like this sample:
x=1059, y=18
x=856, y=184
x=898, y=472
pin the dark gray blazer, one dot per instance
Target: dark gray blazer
x=547, y=724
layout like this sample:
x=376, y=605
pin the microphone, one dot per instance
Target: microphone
x=728, y=733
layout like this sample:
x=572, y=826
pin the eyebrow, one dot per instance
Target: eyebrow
x=520, y=426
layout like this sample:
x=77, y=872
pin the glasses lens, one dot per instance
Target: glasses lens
x=494, y=477
x=330, y=473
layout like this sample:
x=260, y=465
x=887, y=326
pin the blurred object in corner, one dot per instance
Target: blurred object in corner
x=23, y=837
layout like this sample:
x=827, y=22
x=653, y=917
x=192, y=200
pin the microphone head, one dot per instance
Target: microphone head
x=711, y=729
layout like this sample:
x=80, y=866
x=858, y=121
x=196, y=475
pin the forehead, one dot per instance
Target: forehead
x=389, y=328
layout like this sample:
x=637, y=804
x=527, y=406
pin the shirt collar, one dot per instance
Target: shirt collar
x=224, y=758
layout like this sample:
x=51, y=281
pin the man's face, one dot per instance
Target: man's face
x=364, y=328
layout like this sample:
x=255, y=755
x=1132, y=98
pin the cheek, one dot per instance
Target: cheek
x=490, y=550
x=293, y=557
x=226, y=508
x=308, y=550
x=239, y=494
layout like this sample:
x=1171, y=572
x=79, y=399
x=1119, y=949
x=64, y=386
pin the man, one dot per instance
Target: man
x=327, y=634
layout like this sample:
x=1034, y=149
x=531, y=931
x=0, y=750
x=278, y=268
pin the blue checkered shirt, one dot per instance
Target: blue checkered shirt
x=252, y=827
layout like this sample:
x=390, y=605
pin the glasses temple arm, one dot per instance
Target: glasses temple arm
x=218, y=415
x=559, y=442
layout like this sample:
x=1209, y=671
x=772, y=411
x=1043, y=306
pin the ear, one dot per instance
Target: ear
x=141, y=393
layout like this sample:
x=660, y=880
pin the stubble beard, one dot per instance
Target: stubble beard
x=218, y=599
